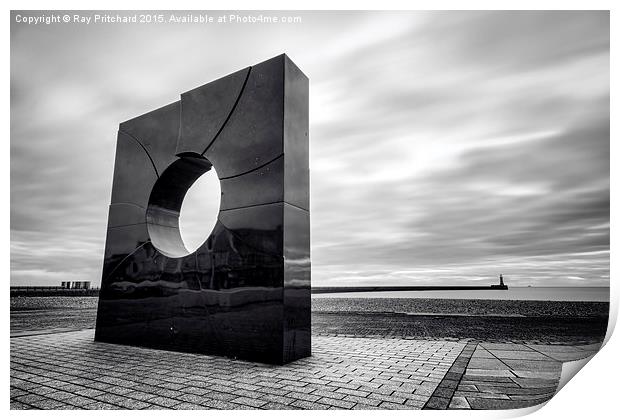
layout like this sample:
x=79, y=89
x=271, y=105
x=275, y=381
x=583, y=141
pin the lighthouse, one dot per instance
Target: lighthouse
x=501, y=285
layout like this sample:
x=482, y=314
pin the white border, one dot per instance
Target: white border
x=592, y=394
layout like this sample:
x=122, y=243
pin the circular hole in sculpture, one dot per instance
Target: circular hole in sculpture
x=199, y=210
x=183, y=206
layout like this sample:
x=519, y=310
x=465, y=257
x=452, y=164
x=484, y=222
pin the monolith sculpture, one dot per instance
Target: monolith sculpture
x=245, y=293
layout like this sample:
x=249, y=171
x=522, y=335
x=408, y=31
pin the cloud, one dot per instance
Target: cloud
x=446, y=147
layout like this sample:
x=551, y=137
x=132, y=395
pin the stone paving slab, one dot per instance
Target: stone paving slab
x=506, y=375
x=69, y=370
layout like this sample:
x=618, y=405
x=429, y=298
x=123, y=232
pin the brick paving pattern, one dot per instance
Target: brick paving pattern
x=68, y=370
x=441, y=397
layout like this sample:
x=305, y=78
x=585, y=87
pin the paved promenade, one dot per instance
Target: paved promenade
x=67, y=370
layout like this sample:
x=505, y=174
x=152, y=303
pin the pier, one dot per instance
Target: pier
x=354, y=289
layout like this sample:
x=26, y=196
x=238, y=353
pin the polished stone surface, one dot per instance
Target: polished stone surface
x=245, y=293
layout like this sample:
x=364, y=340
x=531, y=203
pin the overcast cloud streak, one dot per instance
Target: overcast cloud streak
x=446, y=147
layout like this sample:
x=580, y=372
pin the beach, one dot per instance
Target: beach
x=566, y=322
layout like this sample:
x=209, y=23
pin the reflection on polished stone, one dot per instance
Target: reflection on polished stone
x=245, y=292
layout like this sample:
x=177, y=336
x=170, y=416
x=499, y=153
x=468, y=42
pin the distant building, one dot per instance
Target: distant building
x=75, y=285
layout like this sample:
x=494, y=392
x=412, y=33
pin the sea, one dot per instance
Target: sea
x=571, y=302
x=557, y=294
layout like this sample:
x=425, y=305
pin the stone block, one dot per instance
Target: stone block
x=245, y=292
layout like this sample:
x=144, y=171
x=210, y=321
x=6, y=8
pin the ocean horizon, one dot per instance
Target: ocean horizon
x=558, y=294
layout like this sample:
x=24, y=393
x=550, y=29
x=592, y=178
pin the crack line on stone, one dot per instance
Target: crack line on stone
x=143, y=148
x=537, y=351
x=232, y=110
x=254, y=169
x=264, y=204
x=129, y=224
x=495, y=357
x=253, y=205
x=297, y=207
x=127, y=203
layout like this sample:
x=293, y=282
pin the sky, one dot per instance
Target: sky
x=445, y=147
